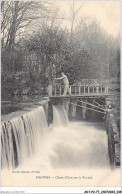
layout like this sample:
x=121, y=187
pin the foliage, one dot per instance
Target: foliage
x=86, y=51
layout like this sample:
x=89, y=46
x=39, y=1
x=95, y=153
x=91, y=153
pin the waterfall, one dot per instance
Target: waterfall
x=29, y=145
x=60, y=116
x=21, y=136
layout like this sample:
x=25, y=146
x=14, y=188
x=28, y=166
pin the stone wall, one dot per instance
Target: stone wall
x=113, y=139
x=47, y=105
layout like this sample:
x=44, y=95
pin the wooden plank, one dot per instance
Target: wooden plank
x=78, y=96
x=88, y=108
x=92, y=105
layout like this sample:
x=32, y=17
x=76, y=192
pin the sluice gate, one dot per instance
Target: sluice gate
x=97, y=108
x=82, y=107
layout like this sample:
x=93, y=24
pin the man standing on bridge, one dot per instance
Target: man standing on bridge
x=66, y=83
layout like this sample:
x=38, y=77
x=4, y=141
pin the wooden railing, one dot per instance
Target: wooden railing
x=83, y=89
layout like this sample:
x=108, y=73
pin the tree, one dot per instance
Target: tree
x=50, y=44
x=16, y=17
x=73, y=16
x=96, y=42
x=114, y=58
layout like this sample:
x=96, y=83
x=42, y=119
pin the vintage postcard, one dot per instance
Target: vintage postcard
x=60, y=93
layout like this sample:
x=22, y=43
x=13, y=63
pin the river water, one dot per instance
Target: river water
x=69, y=154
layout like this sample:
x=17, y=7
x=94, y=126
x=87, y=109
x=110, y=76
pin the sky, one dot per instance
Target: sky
x=107, y=13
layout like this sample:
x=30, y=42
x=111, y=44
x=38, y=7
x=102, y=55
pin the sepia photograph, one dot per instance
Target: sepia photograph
x=60, y=93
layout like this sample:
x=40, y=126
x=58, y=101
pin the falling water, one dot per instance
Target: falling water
x=64, y=148
x=21, y=137
x=60, y=117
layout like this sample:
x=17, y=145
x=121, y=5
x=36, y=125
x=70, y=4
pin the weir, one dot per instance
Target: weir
x=20, y=137
x=23, y=137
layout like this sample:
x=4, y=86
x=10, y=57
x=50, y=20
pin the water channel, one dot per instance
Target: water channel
x=66, y=152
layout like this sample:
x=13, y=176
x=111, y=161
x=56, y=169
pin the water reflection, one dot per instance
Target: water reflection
x=18, y=102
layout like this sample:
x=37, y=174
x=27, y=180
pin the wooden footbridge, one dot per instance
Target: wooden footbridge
x=88, y=97
x=88, y=88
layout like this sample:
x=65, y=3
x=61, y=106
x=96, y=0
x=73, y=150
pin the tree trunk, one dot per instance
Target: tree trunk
x=13, y=32
x=72, y=22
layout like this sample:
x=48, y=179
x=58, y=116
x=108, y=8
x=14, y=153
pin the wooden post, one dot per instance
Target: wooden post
x=71, y=89
x=55, y=90
x=79, y=89
x=106, y=87
x=75, y=90
x=101, y=89
x=84, y=89
x=88, y=90
x=74, y=108
x=49, y=90
x=97, y=89
x=65, y=104
x=93, y=89
x=78, y=109
x=60, y=90
x=50, y=112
